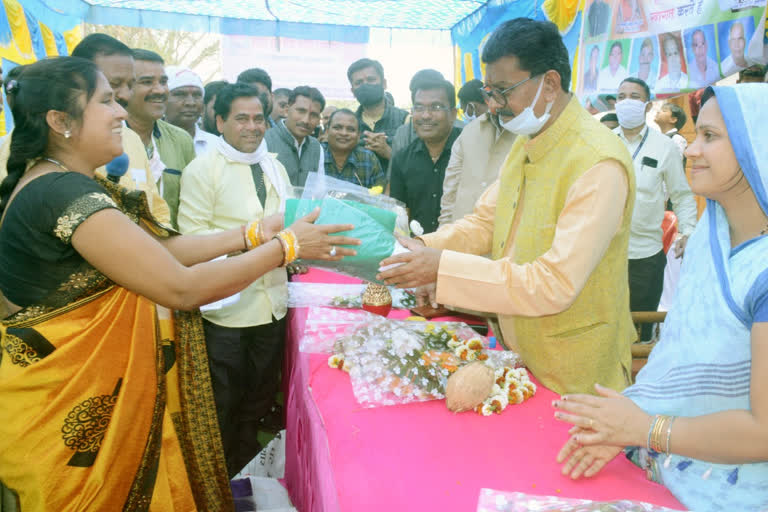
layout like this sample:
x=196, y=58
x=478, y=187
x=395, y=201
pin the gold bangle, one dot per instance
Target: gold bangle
x=651, y=428
x=669, y=433
x=658, y=433
x=244, y=230
x=287, y=239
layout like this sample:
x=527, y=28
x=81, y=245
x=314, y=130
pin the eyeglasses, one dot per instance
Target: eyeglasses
x=434, y=109
x=499, y=96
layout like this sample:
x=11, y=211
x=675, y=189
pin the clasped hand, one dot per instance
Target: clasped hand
x=602, y=426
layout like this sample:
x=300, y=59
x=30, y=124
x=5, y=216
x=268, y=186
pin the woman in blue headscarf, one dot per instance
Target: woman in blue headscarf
x=697, y=417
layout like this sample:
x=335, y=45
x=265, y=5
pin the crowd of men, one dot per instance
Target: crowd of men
x=198, y=149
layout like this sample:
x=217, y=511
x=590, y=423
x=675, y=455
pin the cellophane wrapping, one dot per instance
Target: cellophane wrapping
x=394, y=362
x=502, y=501
x=348, y=296
x=376, y=220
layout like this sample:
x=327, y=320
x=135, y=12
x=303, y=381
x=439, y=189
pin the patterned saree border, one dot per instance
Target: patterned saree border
x=140, y=495
x=33, y=315
x=198, y=426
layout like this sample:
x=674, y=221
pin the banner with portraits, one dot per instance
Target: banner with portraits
x=675, y=46
x=470, y=34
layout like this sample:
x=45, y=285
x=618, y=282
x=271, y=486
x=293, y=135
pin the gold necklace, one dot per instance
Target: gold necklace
x=56, y=162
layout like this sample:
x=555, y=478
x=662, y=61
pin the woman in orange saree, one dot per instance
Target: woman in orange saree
x=106, y=395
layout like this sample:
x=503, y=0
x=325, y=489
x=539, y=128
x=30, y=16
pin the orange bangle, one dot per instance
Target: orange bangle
x=254, y=236
x=290, y=245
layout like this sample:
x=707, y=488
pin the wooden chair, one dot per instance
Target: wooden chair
x=641, y=351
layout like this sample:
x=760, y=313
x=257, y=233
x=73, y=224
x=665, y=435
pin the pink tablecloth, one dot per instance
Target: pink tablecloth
x=421, y=457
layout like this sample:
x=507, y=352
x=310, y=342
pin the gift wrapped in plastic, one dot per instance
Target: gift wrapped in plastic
x=348, y=296
x=500, y=501
x=398, y=361
x=376, y=220
x=325, y=325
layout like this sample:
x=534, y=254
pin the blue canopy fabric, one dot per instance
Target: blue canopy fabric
x=411, y=14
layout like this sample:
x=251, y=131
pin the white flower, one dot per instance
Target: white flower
x=486, y=410
x=501, y=398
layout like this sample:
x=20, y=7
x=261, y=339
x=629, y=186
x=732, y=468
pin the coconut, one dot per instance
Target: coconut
x=468, y=387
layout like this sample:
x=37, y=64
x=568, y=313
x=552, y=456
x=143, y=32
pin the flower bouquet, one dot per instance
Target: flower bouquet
x=395, y=362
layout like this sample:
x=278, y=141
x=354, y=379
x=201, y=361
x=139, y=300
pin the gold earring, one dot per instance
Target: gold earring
x=67, y=134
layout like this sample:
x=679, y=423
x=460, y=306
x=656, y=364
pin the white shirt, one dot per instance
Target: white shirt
x=678, y=139
x=650, y=197
x=610, y=83
x=699, y=79
x=203, y=141
x=729, y=67
x=666, y=83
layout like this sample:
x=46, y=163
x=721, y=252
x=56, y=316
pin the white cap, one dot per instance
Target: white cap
x=182, y=77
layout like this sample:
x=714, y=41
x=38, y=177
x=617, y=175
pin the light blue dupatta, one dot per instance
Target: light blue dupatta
x=702, y=364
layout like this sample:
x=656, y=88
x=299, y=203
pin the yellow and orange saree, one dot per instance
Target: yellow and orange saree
x=107, y=404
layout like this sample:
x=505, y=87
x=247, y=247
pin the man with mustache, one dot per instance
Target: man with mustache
x=419, y=170
x=344, y=159
x=703, y=70
x=168, y=148
x=378, y=120
x=185, y=106
x=238, y=181
x=262, y=82
x=555, y=222
x=291, y=138
x=115, y=60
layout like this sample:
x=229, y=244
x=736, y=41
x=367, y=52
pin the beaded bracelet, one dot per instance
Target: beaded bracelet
x=290, y=246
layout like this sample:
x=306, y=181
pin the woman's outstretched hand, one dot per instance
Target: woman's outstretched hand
x=316, y=242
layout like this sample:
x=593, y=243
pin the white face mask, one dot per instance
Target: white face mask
x=526, y=122
x=468, y=118
x=631, y=113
